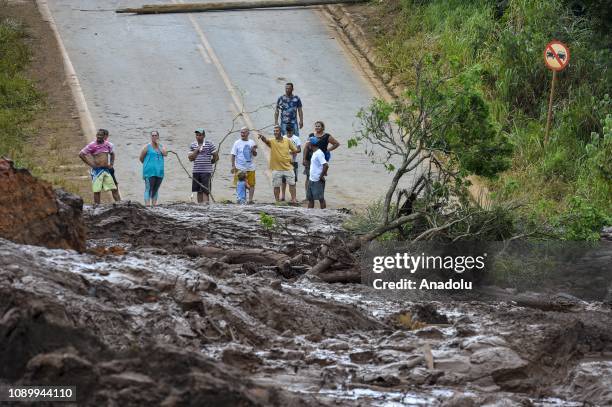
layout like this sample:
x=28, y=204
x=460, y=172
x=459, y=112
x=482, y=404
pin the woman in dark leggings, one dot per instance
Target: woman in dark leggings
x=152, y=157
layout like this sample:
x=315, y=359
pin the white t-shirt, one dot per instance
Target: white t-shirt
x=316, y=165
x=298, y=143
x=244, y=157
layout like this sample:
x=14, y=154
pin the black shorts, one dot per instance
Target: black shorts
x=315, y=191
x=111, y=171
x=201, y=178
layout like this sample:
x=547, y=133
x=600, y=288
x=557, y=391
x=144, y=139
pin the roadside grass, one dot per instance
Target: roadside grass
x=19, y=99
x=20, y=102
x=366, y=219
x=566, y=183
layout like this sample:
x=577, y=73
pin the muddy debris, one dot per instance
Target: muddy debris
x=207, y=315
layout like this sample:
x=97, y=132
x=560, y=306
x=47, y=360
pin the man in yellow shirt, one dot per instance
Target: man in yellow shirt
x=281, y=150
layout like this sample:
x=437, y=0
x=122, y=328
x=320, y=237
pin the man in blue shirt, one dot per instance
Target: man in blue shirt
x=290, y=107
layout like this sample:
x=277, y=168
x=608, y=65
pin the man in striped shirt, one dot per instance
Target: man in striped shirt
x=204, y=155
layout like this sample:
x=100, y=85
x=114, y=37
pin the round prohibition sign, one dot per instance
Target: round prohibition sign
x=556, y=55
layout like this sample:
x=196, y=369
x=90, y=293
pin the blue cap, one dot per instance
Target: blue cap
x=200, y=130
x=314, y=141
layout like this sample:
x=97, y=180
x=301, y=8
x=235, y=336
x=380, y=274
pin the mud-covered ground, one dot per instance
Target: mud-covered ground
x=191, y=305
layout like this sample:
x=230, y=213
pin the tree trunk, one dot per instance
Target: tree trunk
x=322, y=266
x=399, y=173
x=259, y=256
x=341, y=276
x=234, y=5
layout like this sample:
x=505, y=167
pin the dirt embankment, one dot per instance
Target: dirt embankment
x=56, y=136
x=186, y=304
x=31, y=212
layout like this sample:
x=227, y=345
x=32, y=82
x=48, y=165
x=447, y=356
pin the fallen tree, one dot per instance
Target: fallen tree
x=232, y=5
x=439, y=133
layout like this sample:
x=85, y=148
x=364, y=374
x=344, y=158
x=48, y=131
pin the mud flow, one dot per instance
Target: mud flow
x=191, y=305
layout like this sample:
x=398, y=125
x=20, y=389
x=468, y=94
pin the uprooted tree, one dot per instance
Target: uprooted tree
x=433, y=139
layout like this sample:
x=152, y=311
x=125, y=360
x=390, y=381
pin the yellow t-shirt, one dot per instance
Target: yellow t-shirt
x=280, y=154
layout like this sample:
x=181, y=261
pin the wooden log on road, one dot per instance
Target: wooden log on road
x=233, y=5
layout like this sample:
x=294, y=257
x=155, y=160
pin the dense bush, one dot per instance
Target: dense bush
x=504, y=41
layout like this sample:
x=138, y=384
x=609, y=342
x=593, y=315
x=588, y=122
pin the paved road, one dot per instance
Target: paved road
x=176, y=72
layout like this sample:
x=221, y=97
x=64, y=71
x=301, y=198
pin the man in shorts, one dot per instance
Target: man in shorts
x=243, y=151
x=281, y=164
x=298, y=144
x=203, y=154
x=97, y=154
x=316, y=178
x=289, y=106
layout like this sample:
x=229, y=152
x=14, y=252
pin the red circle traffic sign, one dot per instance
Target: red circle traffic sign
x=556, y=55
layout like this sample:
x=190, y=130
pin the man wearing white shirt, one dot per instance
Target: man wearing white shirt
x=243, y=151
x=316, y=178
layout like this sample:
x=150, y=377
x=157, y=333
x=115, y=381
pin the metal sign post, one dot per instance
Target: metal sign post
x=556, y=58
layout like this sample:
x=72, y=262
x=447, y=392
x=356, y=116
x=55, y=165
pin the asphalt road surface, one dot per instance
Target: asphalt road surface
x=178, y=72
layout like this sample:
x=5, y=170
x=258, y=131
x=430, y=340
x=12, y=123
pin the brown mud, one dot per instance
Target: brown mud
x=192, y=305
x=32, y=212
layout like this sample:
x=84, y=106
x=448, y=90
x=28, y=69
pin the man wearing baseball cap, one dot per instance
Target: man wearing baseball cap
x=203, y=154
x=316, y=177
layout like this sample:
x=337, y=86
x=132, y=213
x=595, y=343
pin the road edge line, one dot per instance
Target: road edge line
x=355, y=44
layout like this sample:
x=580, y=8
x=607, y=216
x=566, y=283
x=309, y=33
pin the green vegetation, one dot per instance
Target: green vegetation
x=268, y=222
x=18, y=97
x=566, y=183
x=442, y=128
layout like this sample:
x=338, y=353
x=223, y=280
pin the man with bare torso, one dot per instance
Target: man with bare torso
x=96, y=154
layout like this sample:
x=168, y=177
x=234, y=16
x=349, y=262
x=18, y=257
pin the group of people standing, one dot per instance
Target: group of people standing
x=285, y=149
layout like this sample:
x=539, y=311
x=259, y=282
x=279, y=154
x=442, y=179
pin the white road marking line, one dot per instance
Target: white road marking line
x=204, y=54
x=198, y=30
x=87, y=124
x=227, y=82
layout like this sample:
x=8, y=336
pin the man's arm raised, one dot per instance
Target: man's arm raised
x=264, y=139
